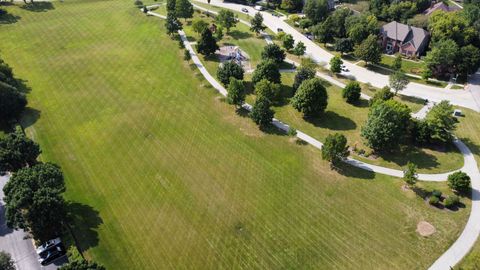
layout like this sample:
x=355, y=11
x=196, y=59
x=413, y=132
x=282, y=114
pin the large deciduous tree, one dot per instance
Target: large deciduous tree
x=273, y=52
x=17, y=151
x=236, y=92
x=316, y=10
x=441, y=122
x=266, y=70
x=442, y=58
x=303, y=73
x=34, y=201
x=311, y=98
x=261, y=112
x=183, y=9
x=226, y=19
x=386, y=125
x=12, y=102
x=266, y=89
x=257, y=23
x=369, y=50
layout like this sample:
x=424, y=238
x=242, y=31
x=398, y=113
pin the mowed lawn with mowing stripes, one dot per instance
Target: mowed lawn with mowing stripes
x=165, y=174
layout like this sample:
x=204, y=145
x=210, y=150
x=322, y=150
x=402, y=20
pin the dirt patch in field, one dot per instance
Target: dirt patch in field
x=425, y=229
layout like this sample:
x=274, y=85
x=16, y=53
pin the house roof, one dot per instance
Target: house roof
x=405, y=33
x=440, y=6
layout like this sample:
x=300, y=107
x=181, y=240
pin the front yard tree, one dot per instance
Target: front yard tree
x=311, y=98
x=441, y=122
x=236, y=92
x=303, y=74
x=183, y=9
x=261, y=112
x=229, y=70
x=397, y=63
x=351, y=92
x=442, y=58
x=386, y=125
x=369, y=50
x=226, y=19
x=398, y=81
x=207, y=45
x=288, y=42
x=257, y=23
x=336, y=64
x=459, y=181
x=316, y=10
x=266, y=70
x=34, y=201
x=17, y=151
x=273, y=52
x=343, y=45
x=323, y=33
x=172, y=24
x=299, y=49
x=470, y=60
x=335, y=148
x=6, y=262
x=410, y=175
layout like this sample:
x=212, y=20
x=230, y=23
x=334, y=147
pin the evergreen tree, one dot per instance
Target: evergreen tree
x=207, y=45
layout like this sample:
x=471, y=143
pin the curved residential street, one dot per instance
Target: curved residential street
x=457, y=97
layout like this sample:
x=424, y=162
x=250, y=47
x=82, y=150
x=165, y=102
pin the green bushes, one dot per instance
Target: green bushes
x=433, y=200
x=459, y=181
x=451, y=201
x=352, y=91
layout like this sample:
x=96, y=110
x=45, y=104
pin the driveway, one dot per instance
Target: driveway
x=456, y=97
x=17, y=244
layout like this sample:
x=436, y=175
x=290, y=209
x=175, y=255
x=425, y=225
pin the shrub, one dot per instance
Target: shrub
x=433, y=200
x=351, y=92
x=138, y=3
x=305, y=23
x=437, y=193
x=336, y=64
x=452, y=201
x=459, y=181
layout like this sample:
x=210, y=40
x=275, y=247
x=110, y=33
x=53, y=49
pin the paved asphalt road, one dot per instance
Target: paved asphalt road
x=15, y=242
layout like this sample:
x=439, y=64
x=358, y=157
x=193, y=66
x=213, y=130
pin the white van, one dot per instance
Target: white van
x=259, y=8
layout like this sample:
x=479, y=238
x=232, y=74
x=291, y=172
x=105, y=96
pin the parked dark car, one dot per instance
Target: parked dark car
x=50, y=243
x=279, y=30
x=51, y=254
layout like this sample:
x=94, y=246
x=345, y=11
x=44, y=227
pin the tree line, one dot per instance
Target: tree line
x=33, y=198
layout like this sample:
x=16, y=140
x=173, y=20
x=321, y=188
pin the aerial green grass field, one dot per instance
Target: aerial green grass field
x=164, y=174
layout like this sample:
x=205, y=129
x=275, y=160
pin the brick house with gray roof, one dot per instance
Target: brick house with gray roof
x=405, y=39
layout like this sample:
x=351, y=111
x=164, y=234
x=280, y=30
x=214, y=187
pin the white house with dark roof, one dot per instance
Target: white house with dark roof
x=405, y=39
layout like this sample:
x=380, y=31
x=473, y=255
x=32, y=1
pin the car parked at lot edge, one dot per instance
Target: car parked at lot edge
x=245, y=10
x=52, y=254
x=50, y=243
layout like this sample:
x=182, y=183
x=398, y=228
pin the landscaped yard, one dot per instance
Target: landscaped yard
x=165, y=174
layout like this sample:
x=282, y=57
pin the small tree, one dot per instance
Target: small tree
x=12, y=102
x=351, y=92
x=187, y=56
x=198, y=25
x=288, y=42
x=266, y=89
x=459, y=181
x=336, y=64
x=229, y=70
x=369, y=50
x=183, y=9
x=6, y=262
x=398, y=81
x=383, y=94
x=311, y=98
x=172, y=24
x=266, y=70
x=299, y=49
x=226, y=19
x=273, y=52
x=207, y=45
x=303, y=73
x=397, y=63
x=261, y=112
x=335, y=148
x=426, y=74
x=236, y=92
x=441, y=122
x=219, y=33
x=343, y=45
x=257, y=23
x=410, y=175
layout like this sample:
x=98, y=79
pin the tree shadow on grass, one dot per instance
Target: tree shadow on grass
x=416, y=155
x=273, y=130
x=471, y=145
x=415, y=100
x=7, y=18
x=354, y=172
x=332, y=120
x=85, y=222
x=29, y=117
x=361, y=103
x=38, y=6
x=236, y=34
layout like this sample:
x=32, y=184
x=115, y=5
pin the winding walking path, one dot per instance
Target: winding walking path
x=467, y=239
